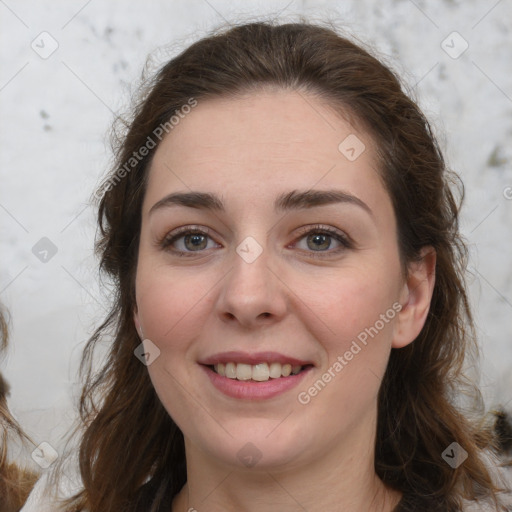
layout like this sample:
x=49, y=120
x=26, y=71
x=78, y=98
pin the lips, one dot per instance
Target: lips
x=254, y=376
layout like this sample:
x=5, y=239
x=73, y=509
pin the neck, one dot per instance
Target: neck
x=343, y=478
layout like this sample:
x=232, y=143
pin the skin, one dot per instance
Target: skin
x=248, y=151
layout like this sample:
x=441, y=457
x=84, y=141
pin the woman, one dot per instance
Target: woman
x=290, y=317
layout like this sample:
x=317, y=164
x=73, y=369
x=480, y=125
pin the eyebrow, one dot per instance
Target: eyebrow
x=293, y=200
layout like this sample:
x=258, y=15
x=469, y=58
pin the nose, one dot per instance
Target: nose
x=252, y=294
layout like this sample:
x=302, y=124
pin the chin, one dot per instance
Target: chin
x=258, y=445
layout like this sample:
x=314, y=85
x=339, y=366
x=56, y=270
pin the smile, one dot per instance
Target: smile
x=258, y=372
x=254, y=376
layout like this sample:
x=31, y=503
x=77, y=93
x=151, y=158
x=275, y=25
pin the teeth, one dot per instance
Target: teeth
x=230, y=370
x=259, y=372
x=221, y=369
x=286, y=370
x=243, y=371
x=275, y=370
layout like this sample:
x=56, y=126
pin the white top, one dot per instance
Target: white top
x=39, y=501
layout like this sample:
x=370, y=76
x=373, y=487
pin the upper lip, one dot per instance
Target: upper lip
x=252, y=358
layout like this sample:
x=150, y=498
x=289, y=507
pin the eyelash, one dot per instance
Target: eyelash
x=343, y=239
x=340, y=237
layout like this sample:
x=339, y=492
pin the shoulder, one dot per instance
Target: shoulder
x=412, y=503
x=415, y=503
x=45, y=498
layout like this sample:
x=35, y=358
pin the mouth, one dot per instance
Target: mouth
x=261, y=372
x=256, y=376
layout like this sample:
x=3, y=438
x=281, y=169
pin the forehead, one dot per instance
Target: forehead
x=261, y=143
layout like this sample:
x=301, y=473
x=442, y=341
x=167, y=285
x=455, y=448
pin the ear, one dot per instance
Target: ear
x=415, y=298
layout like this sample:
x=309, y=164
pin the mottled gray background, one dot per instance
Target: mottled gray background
x=56, y=111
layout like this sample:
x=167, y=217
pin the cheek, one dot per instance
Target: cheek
x=170, y=303
x=351, y=307
x=172, y=307
x=359, y=314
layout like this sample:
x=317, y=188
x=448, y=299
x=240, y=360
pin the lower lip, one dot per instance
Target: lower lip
x=252, y=390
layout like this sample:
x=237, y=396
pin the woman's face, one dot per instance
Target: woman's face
x=292, y=265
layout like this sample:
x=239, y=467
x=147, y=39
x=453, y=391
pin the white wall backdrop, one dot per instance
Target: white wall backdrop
x=68, y=66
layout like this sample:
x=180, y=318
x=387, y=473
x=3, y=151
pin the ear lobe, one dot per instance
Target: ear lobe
x=416, y=298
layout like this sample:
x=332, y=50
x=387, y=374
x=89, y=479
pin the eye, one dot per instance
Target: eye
x=319, y=239
x=186, y=241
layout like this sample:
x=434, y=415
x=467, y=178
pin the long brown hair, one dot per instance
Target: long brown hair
x=16, y=481
x=126, y=426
